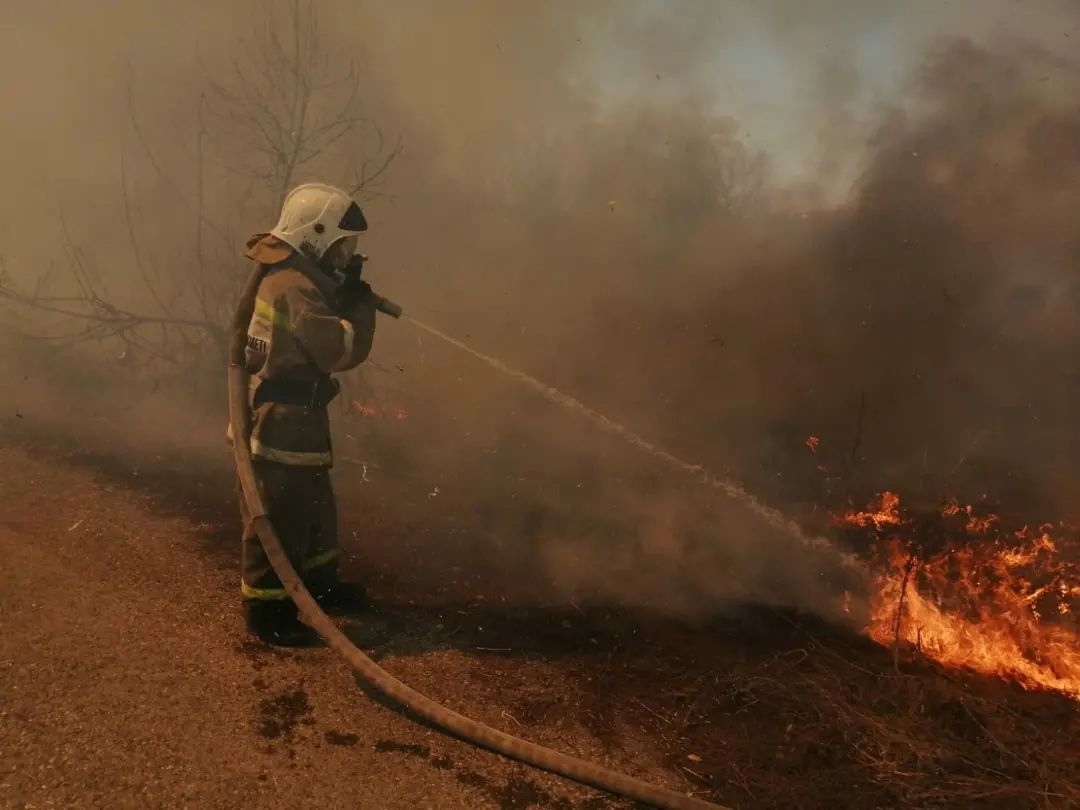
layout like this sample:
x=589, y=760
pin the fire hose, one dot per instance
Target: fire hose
x=372, y=674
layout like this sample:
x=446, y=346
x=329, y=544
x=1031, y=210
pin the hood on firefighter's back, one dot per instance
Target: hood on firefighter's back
x=265, y=248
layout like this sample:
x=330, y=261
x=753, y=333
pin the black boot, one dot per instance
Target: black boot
x=276, y=622
x=341, y=597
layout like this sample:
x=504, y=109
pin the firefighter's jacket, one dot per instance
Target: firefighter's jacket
x=296, y=335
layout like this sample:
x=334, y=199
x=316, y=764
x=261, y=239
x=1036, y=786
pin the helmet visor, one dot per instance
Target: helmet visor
x=353, y=219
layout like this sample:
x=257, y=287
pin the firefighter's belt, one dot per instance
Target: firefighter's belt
x=307, y=393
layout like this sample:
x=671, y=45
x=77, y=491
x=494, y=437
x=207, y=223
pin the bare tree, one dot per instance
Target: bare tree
x=288, y=108
x=296, y=103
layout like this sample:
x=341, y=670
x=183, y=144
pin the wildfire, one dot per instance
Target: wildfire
x=995, y=601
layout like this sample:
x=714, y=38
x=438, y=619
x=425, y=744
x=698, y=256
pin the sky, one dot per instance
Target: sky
x=771, y=64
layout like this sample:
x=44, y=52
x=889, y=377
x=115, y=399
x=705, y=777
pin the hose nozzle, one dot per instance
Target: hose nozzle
x=386, y=306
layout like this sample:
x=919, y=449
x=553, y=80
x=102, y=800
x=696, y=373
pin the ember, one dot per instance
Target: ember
x=372, y=412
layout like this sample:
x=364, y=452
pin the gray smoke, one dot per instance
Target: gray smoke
x=727, y=229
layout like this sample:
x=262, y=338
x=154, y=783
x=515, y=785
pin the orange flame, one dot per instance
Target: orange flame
x=885, y=512
x=996, y=602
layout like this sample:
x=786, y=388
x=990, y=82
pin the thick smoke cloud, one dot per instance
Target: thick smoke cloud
x=601, y=196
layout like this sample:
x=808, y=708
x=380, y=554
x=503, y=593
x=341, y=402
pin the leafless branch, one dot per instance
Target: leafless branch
x=101, y=318
x=298, y=103
x=161, y=173
x=365, y=177
x=133, y=239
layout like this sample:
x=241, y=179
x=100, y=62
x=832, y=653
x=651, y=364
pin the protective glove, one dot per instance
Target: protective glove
x=355, y=265
x=353, y=291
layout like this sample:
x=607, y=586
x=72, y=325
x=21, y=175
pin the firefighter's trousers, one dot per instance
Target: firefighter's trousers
x=300, y=505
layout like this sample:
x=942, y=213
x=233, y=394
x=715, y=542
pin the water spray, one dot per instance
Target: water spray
x=376, y=677
x=731, y=489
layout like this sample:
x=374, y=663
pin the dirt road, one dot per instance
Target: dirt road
x=127, y=682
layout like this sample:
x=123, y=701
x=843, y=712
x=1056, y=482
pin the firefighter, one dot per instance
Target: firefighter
x=312, y=318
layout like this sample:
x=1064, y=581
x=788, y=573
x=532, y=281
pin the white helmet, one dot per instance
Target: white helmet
x=314, y=216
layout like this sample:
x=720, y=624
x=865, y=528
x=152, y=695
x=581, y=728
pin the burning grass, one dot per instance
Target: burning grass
x=960, y=587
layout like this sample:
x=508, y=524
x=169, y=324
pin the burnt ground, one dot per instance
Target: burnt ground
x=127, y=680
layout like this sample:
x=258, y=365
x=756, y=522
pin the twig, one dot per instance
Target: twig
x=133, y=240
x=695, y=773
x=908, y=568
x=509, y=716
x=653, y=712
x=156, y=165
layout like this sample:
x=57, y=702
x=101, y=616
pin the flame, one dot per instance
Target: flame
x=884, y=512
x=812, y=442
x=997, y=602
x=975, y=525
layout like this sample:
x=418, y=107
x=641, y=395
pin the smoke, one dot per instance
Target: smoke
x=728, y=229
